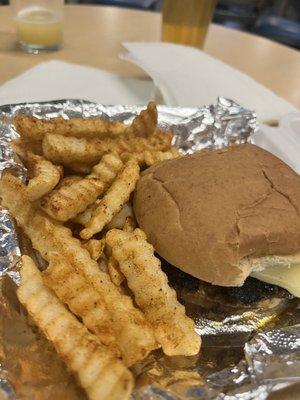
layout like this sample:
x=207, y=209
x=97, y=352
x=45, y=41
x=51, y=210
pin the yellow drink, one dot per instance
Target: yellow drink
x=187, y=21
x=39, y=28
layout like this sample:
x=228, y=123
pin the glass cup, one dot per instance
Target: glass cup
x=187, y=21
x=39, y=24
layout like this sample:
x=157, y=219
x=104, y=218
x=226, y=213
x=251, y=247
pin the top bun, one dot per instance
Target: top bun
x=205, y=212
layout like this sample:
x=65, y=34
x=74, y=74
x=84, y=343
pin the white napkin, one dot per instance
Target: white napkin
x=189, y=77
x=54, y=80
x=283, y=141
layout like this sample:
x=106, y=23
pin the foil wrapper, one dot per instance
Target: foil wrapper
x=246, y=353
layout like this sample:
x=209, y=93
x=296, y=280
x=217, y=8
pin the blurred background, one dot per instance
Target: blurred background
x=278, y=20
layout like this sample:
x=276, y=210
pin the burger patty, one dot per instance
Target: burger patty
x=253, y=290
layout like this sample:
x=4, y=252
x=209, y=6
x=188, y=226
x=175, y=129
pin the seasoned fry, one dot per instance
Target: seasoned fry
x=72, y=288
x=19, y=148
x=145, y=123
x=150, y=157
x=173, y=329
x=35, y=129
x=108, y=168
x=84, y=217
x=119, y=219
x=100, y=374
x=113, y=200
x=45, y=176
x=22, y=148
x=159, y=140
x=70, y=150
x=114, y=271
x=154, y=157
x=68, y=181
x=68, y=201
x=94, y=247
x=135, y=337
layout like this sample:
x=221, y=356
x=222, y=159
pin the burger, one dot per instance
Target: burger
x=226, y=225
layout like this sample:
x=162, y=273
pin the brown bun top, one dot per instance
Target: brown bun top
x=205, y=212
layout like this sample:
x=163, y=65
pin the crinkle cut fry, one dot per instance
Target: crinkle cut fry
x=149, y=284
x=83, y=300
x=113, y=200
x=95, y=247
x=145, y=123
x=23, y=147
x=70, y=150
x=66, y=202
x=150, y=157
x=135, y=336
x=101, y=375
x=106, y=170
x=45, y=176
x=84, y=217
x=33, y=128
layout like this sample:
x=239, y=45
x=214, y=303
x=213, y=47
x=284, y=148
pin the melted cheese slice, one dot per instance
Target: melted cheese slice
x=285, y=276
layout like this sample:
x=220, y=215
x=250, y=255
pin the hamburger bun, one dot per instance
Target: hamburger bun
x=205, y=213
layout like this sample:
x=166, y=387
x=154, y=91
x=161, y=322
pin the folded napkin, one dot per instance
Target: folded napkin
x=189, y=77
x=55, y=80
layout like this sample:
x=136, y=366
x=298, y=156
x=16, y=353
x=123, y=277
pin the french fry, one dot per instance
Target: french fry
x=173, y=329
x=84, y=217
x=19, y=148
x=108, y=168
x=83, y=300
x=22, y=148
x=45, y=176
x=115, y=274
x=68, y=201
x=154, y=157
x=101, y=375
x=94, y=247
x=119, y=219
x=135, y=336
x=159, y=140
x=70, y=150
x=139, y=157
x=145, y=123
x=113, y=200
x=68, y=181
x=150, y=157
x=35, y=129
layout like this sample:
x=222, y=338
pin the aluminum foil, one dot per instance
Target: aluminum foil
x=235, y=363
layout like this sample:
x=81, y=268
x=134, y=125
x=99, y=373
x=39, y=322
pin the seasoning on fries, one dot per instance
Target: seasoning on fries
x=103, y=300
x=103, y=376
x=149, y=284
x=45, y=176
x=135, y=336
x=112, y=202
x=35, y=129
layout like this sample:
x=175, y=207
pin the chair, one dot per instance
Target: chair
x=239, y=14
x=280, y=29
